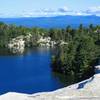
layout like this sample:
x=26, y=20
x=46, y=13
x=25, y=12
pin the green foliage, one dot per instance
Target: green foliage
x=7, y=32
x=76, y=59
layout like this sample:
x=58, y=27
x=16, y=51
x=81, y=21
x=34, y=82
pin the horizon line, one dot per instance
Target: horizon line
x=48, y=16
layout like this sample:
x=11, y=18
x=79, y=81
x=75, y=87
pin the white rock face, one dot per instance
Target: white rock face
x=47, y=42
x=27, y=39
x=16, y=45
x=44, y=42
x=53, y=43
x=85, y=90
x=63, y=42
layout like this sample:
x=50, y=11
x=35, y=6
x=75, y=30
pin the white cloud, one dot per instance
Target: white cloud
x=80, y=13
x=63, y=9
x=54, y=12
x=93, y=11
x=47, y=10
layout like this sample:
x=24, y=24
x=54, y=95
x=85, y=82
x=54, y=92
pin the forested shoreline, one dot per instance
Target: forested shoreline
x=76, y=57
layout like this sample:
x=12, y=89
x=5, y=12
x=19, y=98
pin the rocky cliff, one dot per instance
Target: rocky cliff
x=18, y=44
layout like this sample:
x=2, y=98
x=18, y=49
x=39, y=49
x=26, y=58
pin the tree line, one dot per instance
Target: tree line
x=78, y=58
x=75, y=59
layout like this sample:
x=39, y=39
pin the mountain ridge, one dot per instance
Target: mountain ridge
x=53, y=22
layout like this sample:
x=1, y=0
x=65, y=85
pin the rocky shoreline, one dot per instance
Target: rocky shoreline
x=86, y=90
x=18, y=44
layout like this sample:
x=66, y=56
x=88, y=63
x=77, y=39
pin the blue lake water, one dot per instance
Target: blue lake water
x=28, y=73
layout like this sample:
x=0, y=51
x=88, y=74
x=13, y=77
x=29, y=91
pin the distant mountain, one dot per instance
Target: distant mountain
x=55, y=22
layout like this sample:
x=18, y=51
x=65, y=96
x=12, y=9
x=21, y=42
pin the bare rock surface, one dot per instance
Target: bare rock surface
x=86, y=90
x=16, y=45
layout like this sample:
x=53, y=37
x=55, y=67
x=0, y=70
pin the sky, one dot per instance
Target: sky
x=35, y=8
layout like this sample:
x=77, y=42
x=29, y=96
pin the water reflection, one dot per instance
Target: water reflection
x=65, y=80
x=27, y=73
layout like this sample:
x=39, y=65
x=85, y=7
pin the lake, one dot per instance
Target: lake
x=28, y=73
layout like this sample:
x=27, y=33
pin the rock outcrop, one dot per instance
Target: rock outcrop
x=48, y=42
x=16, y=45
x=28, y=40
x=44, y=42
x=85, y=90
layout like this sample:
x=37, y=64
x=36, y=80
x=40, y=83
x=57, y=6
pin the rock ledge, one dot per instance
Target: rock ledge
x=85, y=90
